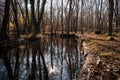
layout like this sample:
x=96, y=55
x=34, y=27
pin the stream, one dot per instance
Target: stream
x=49, y=58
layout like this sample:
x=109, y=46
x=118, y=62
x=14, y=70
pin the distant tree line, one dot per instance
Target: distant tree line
x=65, y=16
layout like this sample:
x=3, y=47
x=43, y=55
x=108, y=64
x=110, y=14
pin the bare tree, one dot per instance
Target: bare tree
x=37, y=21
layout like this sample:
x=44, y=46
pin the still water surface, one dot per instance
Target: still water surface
x=44, y=59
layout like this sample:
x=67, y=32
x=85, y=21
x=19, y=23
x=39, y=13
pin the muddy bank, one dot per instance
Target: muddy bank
x=90, y=63
x=99, y=64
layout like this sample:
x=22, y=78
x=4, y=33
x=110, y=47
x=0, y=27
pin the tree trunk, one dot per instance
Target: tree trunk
x=77, y=15
x=111, y=5
x=81, y=16
x=69, y=17
x=62, y=15
x=116, y=14
x=15, y=10
x=51, y=17
x=5, y=20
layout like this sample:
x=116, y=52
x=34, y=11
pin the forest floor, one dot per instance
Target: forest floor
x=102, y=58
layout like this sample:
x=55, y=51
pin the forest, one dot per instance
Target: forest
x=60, y=39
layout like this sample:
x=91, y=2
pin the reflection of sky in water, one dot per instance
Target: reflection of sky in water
x=58, y=64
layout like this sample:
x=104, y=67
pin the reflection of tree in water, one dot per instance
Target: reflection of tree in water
x=7, y=64
x=72, y=57
x=37, y=51
x=17, y=63
x=44, y=59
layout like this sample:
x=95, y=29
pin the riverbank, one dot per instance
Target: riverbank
x=102, y=58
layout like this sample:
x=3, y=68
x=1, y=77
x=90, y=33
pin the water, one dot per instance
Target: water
x=44, y=59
